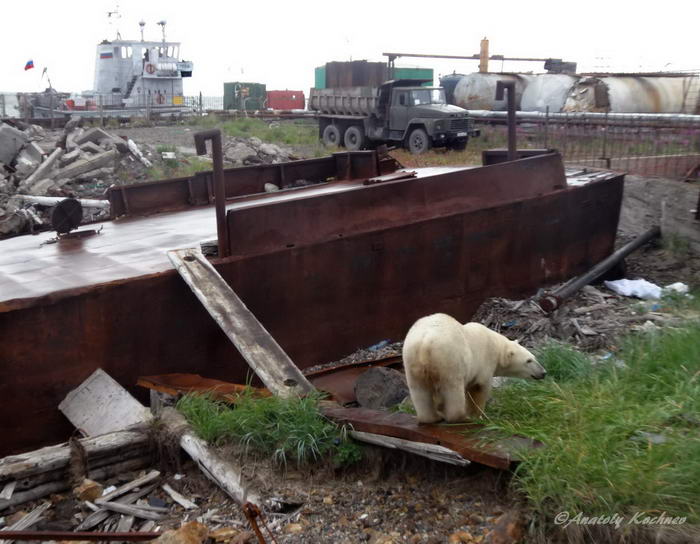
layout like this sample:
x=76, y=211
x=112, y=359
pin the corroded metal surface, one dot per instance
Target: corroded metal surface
x=365, y=263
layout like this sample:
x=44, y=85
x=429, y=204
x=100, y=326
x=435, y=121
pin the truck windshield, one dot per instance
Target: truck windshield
x=428, y=96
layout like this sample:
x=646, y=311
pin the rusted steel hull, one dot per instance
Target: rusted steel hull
x=342, y=273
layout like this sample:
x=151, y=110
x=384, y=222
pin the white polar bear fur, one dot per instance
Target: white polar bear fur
x=450, y=366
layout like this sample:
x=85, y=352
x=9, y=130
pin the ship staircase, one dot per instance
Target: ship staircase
x=130, y=86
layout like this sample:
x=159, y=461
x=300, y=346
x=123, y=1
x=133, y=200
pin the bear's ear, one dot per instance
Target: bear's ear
x=517, y=341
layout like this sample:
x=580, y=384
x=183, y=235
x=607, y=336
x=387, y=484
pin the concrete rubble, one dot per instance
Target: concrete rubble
x=83, y=162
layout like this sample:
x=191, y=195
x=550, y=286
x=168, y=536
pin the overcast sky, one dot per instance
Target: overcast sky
x=280, y=43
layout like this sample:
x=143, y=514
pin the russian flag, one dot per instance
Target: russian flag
x=105, y=55
x=29, y=65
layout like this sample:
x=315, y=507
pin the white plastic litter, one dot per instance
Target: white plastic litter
x=635, y=288
x=678, y=287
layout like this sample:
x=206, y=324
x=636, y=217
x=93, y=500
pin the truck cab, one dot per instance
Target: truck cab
x=420, y=117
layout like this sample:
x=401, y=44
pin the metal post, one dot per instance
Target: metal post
x=2, y=101
x=546, y=128
x=51, y=105
x=605, y=140
x=200, y=141
x=102, y=120
x=200, y=104
x=500, y=89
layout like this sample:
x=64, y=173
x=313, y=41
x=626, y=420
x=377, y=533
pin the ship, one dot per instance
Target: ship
x=132, y=78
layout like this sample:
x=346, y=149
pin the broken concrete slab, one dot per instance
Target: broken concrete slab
x=86, y=164
x=11, y=141
x=74, y=122
x=381, y=387
x=94, y=135
x=70, y=157
x=98, y=173
x=91, y=147
x=121, y=144
x=34, y=151
x=71, y=137
x=100, y=405
x=41, y=187
x=137, y=153
x=44, y=169
x=25, y=165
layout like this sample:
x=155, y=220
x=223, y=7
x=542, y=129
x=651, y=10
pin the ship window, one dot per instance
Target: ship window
x=116, y=52
x=129, y=52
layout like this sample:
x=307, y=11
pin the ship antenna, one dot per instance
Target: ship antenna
x=115, y=15
x=142, y=24
x=162, y=27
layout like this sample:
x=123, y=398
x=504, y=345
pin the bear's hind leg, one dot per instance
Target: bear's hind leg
x=455, y=403
x=477, y=397
x=423, y=402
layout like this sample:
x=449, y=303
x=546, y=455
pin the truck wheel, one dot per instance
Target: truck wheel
x=459, y=146
x=354, y=138
x=331, y=135
x=418, y=141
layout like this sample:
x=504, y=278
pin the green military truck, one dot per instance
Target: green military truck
x=397, y=112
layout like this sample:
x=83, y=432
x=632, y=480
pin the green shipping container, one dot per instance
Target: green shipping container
x=320, y=77
x=399, y=73
x=415, y=73
x=239, y=95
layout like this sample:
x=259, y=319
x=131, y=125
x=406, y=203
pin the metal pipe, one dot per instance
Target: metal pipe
x=551, y=301
x=45, y=536
x=600, y=117
x=200, y=140
x=501, y=86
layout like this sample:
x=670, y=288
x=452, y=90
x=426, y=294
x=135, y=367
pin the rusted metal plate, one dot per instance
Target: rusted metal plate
x=470, y=440
x=173, y=384
x=122, y=308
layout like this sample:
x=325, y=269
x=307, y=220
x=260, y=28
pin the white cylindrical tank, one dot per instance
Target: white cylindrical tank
x=547, y=90
x=477, y=91
x=633, y=94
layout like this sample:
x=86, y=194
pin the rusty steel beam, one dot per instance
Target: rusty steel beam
x=78, y=536
x=200, y=140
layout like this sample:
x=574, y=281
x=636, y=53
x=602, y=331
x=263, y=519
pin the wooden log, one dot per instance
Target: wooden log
x=260, y=350
x=62, y=474
x=55, y=457
x=47, y=488
x=222, y=472
x=132, y=510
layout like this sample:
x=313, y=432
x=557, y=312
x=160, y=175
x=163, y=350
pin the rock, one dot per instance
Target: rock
x=271, y=188
x=13, y=222
x=460, y=536
x=255, y=142
x=88, y=490
x=71, y=137
x=270, y=149
x=40, y=188
x=11, y=141
x=293, y=528
x=25, y=165
x=509, y=529
x=240, y=153
x=190, y=533
x=121, y=145
x=381, y=387
x=36, y=132
x=33, y=151
x=98, y=173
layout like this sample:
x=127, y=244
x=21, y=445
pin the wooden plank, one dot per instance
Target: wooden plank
x=469, y=440
x=178, y=498
x=130, y=510
x=27, y=521
x=98, y=517
x=100, y=405
x=431, y=451
x=121, y=490
x=260, y=350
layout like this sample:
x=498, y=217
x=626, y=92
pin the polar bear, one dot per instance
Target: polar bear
x=449, y=367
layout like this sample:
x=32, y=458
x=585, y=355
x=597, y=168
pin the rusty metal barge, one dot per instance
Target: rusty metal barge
x=352, y=259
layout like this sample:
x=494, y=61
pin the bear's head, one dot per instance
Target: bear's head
x=518, y=362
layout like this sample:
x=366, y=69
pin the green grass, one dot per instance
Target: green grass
x=278, y=132
x=289, y=430
x=597, y=460
x=176, y=168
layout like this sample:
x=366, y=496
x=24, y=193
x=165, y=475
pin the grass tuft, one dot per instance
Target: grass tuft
x=288, y=430
x=618, y=440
